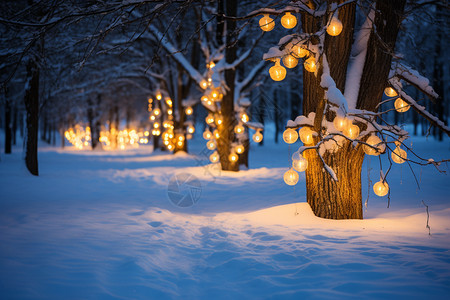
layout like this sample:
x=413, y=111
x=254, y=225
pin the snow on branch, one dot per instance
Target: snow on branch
x=414, y=78
x=178, y=56
x=419, y=108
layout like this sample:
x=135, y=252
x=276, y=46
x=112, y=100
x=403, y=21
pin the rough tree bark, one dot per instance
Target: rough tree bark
x=342, y=199
x=227, y=105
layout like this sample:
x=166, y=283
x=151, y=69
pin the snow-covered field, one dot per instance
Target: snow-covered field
x=100, y=225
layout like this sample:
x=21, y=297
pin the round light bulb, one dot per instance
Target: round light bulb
x=288, y=21
x=277, y=72
x=214, y=157
x=291, y=177
x=381, y=188
x=188, y=110
x=306, y=135
x=238, y=129
x=390, y=92
x=266, y=23
x=401, y=106
x=352, y=131
x=207, y=134
x=310, y=64
x=257, y=137
x=335, y=27
x=399, y=155
x=233, y=157
x=298, y=51
x=299, y=163
x=239, y=149
x=375, y=141
x=290, y=61
x=290, y=136
x=340, y=123
x=211, y=145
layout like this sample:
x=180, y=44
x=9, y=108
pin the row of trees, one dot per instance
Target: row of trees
x=98, y=63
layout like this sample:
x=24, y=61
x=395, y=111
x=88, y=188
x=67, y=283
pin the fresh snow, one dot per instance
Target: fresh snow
x=99, y=225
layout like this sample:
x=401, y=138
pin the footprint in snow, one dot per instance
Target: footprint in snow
x=155, y=224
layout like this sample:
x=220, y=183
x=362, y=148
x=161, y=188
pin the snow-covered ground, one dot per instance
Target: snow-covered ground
x=100, y=225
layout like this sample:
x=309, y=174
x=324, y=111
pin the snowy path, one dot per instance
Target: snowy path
x=100, y=226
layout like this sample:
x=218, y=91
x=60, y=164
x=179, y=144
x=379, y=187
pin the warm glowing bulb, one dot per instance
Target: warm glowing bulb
x=216, y=134
x=290, y=61
x=158, y=96
x=219, y=120
x=335, y=27
x=233, y=157
x=211, y=65
x=266, y=23
x=188, y=110
x=290, y=136
x=170, y=147
x=310, y=64
x=375, y=141
x=390, y=92
x=211, y=145
x=244, y=118
x=299, y=163
x=399, y=155
x=288, y=21
x=306, y=135
x=257, y=137
x=239, y=149
x=190, y=129
x=169, y=101
x=298, y=51
x=401, y=106
x=204, y=84
x=238, y=129
x=152, y=118
x=352, y=131
x=156, y=125
x=209, y=119
x=146, y=133
x=291, y=177
x=340, y=123
x=214, y=157
x=204, y=98
x=157, y=111
x=381, y=189
x=277, y=72
x=207, y=134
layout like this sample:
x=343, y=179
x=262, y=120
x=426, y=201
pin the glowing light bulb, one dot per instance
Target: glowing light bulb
x=257, y=137
x=299, y=163
x=204, y=98
x=390, y=92
x=238, y=129
x=219, y=120
x=290, y=61
x=211, y=145
x=399, y=155
x=352, y=131
x=298, y=51
x=277, y=72
x=291, y=177
x=158, y=96
x=340, y=123
x=288, y=21
x=335, y=27
x=233, y=157
x=157, y=112
x=266, y=23
x=239, y=149
x=188, y=110
x=190, y=129
x=290, y=136
x=310, y=64
x=214, y=157
x=207, y=134
x=381, y=188
x=401, y=106
x=216, y=134
x=375, y=141
x=306, y=135
x=204, y=84
x=209, y=119
x=244, y=117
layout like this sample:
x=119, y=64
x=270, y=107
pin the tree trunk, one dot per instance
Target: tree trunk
x=32, y=108
x=227, y=107
x=8, y=139
x=342, y=199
